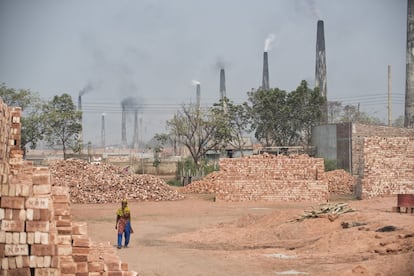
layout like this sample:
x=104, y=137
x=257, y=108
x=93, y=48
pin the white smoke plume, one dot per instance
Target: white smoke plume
x=313, y=9
x=268, y=42
x=195, y=82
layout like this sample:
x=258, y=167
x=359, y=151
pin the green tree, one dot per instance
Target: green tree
x=157, y=144
x=198, y=130
x=63, y=123
x=237, y=121
x=270, y=117
x=305, y=106
x=32, y=116
x=285, y=119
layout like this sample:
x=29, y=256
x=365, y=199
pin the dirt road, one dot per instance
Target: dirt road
x=197, y=236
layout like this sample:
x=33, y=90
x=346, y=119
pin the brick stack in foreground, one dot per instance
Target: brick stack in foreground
x=37, y=234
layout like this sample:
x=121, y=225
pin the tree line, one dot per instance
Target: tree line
x=57, y=122
x=274, y=117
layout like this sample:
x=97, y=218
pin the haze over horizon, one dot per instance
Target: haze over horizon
x=156, y=50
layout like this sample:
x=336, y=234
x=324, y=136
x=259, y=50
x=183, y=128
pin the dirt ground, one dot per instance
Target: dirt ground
x=197, y=236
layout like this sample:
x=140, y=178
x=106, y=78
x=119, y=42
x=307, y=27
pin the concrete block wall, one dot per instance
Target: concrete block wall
x=387, y=167
x=270, y=177
x=37, y=234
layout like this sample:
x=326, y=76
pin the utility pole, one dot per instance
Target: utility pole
x=103, y=131
x=389, y=96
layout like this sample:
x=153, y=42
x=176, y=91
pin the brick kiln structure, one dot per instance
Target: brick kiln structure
x=37, y=234
x=269, y=178
x=387, y=167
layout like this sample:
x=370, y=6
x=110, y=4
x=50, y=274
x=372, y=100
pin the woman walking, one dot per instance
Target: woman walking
x=123, y=223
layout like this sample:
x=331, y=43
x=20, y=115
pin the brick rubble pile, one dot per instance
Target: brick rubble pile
x=206, y=185
x=340, y=182
x=106, y=183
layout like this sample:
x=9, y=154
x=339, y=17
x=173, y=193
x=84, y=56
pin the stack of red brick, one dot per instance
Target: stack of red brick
x=37, y=235
x=387, y=167
x=270, y=177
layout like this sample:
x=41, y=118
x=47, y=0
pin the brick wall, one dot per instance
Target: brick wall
x=269, y=177
x=37, y=234
x=387, y=167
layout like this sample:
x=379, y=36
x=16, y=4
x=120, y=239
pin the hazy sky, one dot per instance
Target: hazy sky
x=152, y=50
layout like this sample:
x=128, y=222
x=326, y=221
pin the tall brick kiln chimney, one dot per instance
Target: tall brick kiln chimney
x=320, y=68
x=198, y=95
x=222, y=84
x=80, y=109
x=135, y=140
x=79, y=102
x=123, y=127
x=265, y=81
x=409, y=81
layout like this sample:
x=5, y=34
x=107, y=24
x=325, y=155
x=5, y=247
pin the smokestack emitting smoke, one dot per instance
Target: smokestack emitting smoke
x=265, y=81
x=79, y=102
x=135, y=139
x=409, y=81
x=222, y=84
x=82, y=92
x=267, y=46
x=123, y=128
x=320, y=68
x=128, y=105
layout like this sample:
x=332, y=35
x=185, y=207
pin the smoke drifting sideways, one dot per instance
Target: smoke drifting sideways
x=195, y=82
x=88, y=88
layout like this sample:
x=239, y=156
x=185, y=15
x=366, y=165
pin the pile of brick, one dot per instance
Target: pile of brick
x=340, y=182
x=37, y=235
x=270, y=177
x=206, y=185
x=387, y=167
x=106, y=183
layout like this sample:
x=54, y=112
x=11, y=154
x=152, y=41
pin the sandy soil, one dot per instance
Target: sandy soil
x=197, y=236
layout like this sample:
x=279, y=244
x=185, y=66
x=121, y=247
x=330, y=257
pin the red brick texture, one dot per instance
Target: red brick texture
x=387, y=167
x=269, y=177
x=37, y=235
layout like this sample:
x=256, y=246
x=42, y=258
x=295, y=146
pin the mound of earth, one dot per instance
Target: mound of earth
x=279, y=230
x=106, y=183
